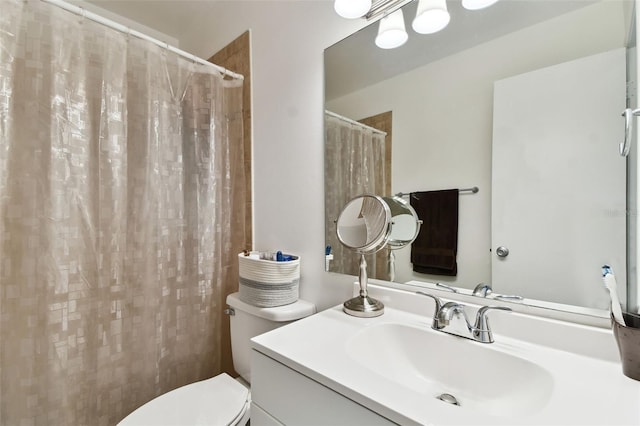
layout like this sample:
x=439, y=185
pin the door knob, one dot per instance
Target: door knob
x=502, y=251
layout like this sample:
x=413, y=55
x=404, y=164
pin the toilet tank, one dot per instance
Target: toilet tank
x=248, y=321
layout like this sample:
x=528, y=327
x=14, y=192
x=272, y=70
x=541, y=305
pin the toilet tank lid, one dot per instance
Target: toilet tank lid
x=290, y=312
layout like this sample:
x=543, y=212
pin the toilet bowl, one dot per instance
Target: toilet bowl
x=221, y=400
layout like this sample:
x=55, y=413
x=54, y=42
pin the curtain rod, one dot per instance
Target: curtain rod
x=472, y=190
x=124, y=29
x=357, y=123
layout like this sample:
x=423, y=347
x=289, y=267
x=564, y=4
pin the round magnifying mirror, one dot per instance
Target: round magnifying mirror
x=405, y=223
x=364, y=225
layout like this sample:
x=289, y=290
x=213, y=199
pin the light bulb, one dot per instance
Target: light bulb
x=391, y=32
x=477, y=4
x=431, y=16
x=352, y=9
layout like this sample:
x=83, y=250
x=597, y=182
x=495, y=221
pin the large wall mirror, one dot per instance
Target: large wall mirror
x=522, y=100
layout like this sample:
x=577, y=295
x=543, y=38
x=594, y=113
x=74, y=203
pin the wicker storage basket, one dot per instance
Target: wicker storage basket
x=268, y=283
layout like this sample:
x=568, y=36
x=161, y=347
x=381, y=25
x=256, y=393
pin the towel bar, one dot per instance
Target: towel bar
x=472, y=190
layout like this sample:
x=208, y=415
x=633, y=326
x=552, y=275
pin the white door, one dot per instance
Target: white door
x=558, y=200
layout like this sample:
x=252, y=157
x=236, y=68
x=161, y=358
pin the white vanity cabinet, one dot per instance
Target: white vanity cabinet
x=283, y=396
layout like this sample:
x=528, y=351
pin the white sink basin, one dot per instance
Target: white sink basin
x=480, y=376
x=538, y=371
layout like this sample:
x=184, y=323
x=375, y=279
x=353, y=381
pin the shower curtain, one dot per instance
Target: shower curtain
x=354, y=155
x=120, y=185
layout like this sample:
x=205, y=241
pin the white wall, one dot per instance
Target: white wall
x=442, y=121
x=288, y=39
x=134, y=25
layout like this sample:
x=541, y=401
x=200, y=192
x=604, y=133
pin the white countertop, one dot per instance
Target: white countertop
x=586, y=390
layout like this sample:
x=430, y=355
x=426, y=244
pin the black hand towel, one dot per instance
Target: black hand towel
x=434, y=250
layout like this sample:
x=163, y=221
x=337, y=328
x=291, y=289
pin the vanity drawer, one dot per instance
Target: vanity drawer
x=261, y=417
x=293, y=399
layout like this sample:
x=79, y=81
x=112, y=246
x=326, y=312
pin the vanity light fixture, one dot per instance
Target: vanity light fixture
x=352, y=9
x=391, y=32
x=431, y=16
x=477, y=4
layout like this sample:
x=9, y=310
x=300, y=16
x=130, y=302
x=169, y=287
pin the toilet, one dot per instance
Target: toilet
x=221, y=400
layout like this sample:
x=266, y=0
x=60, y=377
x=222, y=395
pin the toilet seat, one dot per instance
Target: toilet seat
x=220, y=400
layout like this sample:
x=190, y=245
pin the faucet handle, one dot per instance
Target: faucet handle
x=511, y=297
x=482, y=321
x=446, y=287
x=435, y=299
x=481, y=330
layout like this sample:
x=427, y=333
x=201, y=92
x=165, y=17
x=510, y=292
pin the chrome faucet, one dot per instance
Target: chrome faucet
x=485, y=290
x=449, y=310
x=444, y=314
x=482, y=290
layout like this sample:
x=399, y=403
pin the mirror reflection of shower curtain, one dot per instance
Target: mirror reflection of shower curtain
x=119, y=171
x=353, y=155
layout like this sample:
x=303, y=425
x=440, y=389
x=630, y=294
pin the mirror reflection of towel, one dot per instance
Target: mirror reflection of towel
x=434, y=250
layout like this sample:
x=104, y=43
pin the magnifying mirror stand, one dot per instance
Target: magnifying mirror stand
x=392, y=266
x=363, y=306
